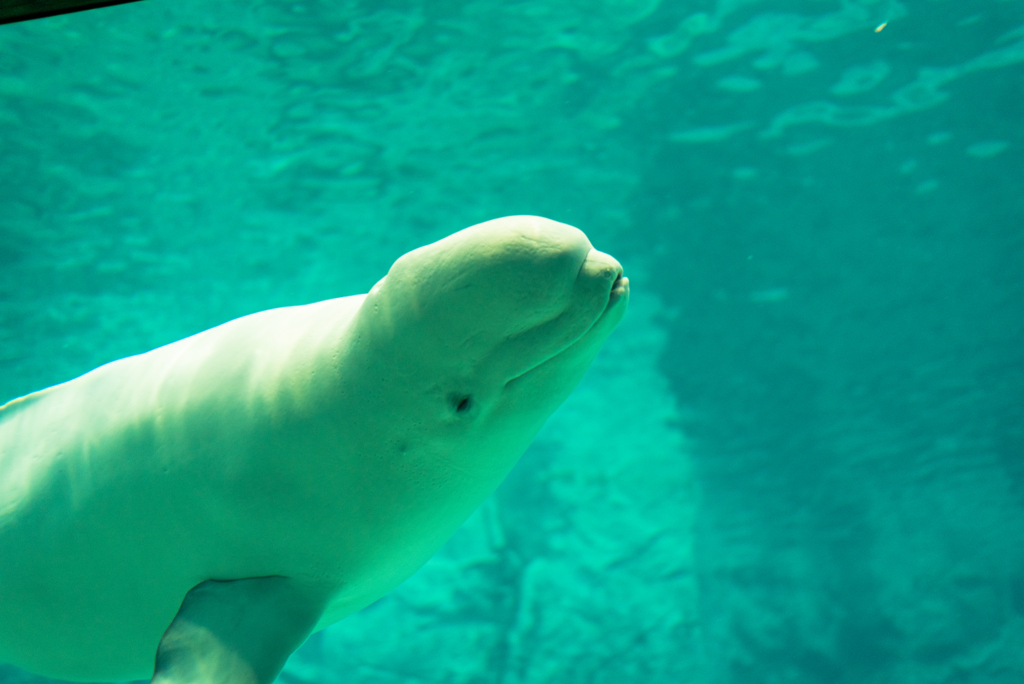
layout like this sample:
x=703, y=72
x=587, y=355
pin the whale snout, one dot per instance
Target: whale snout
x=620, y=291
x=597, y=301
x=545, y=362
x=601, y=266
x=602, y=276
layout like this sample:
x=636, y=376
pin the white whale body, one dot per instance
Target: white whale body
x=207, y=505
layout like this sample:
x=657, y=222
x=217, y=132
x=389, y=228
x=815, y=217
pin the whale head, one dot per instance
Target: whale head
x=487, y=331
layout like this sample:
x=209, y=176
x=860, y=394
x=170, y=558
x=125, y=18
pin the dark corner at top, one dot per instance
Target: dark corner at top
x=23, y=10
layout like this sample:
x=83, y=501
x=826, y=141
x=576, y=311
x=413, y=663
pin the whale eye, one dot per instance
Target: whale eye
x=462, y=403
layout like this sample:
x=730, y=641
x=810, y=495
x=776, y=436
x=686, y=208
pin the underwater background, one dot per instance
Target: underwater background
x=799, y=459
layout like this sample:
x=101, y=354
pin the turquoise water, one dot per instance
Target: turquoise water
x=799, y=459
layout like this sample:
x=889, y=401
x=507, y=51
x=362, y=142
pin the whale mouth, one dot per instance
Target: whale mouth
x=619, y=289
x=618, y=292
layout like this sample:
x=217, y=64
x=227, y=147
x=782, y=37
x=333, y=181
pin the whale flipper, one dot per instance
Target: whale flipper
x=236, y=632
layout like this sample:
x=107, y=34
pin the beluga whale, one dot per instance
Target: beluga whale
x=192, y=514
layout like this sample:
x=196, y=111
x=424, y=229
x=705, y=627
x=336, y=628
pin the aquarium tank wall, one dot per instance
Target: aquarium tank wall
x=800, y=458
